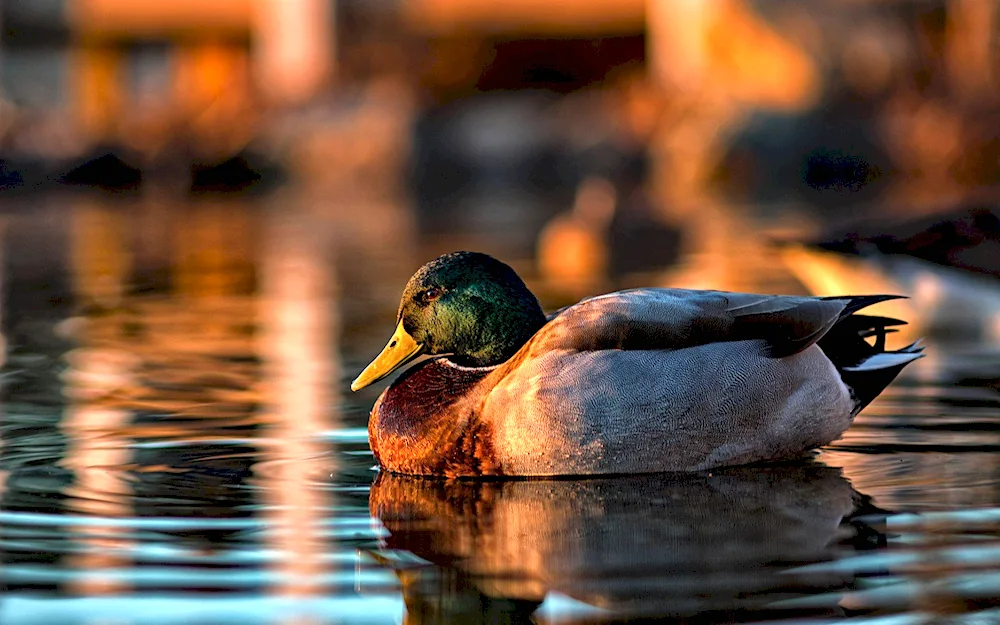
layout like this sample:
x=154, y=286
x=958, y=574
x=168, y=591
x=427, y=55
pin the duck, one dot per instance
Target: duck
x=645, y=380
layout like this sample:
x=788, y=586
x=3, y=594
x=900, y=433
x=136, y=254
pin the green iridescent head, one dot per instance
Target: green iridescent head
x=465, y=304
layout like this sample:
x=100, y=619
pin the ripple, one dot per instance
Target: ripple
x=165, y=609
x=159, y=466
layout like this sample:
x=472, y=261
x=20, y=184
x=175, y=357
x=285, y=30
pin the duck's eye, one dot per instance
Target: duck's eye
x=432, y=294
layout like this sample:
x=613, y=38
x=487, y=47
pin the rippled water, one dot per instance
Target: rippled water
x=179, y=445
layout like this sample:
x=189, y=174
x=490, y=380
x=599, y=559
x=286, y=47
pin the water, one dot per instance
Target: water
x=179, y=446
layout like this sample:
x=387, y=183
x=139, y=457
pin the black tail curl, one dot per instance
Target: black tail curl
x=866, y=367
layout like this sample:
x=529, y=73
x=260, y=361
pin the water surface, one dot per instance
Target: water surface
x=180, y=445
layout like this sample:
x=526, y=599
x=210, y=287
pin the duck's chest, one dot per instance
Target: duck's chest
x=427, y=423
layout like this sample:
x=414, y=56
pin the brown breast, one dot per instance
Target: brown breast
x=427, y=423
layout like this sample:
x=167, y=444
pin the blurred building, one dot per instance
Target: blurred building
x=107, y=61
x=137, y=72
x=685, y=80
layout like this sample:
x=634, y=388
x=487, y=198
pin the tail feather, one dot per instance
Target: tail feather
x=879, y=334
x=873, y=374
x=866, y=368
x=885, y=360
x=857, y=302
x=866, y=326
x=913, y=348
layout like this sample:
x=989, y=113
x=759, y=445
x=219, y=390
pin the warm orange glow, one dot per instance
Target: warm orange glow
x=100, y=490
x=298, y=341
x=293, y=47
x=151, y=17
x=826, y=273
x=675, y=41
x=970, y=44
x=97, y=449
x=756, y=63
x=97, y=88
x=550, y=16
x=723, y=45
x=100, y=260
x=208, y=74
x=213, y=253
x=571, y=257
x=573, y=248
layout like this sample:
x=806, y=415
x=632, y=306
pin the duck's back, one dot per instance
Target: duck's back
x=673, y=380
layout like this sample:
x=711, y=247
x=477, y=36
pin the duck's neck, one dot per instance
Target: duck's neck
x=426, y=422
x=488, y=330
x=509, y=333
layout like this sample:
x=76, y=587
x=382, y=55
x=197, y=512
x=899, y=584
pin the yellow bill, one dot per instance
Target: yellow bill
x=400, y=350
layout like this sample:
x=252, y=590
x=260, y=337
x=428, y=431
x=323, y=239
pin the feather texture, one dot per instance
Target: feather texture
x=651, y=380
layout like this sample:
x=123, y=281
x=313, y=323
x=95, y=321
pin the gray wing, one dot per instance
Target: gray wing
x=678, y=318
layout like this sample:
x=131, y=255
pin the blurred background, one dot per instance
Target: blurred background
x=594, y=144
x=208, y=210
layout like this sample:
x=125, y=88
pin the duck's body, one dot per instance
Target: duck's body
x=643, y=381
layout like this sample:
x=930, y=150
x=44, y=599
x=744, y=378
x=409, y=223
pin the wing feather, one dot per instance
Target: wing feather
x=670, y=319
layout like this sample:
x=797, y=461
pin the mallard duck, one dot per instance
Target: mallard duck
x=637, y=381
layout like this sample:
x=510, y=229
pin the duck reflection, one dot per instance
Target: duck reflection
x=717, y=544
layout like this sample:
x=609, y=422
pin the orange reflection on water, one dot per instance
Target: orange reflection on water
x=187, y=364
x=297, y=339
x=97, y=447
x=97, y=455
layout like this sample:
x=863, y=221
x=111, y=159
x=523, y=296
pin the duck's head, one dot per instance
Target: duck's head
x=465, y=304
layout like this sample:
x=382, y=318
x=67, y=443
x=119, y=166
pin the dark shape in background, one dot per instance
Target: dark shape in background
x=966, y=238
x=108, y=172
